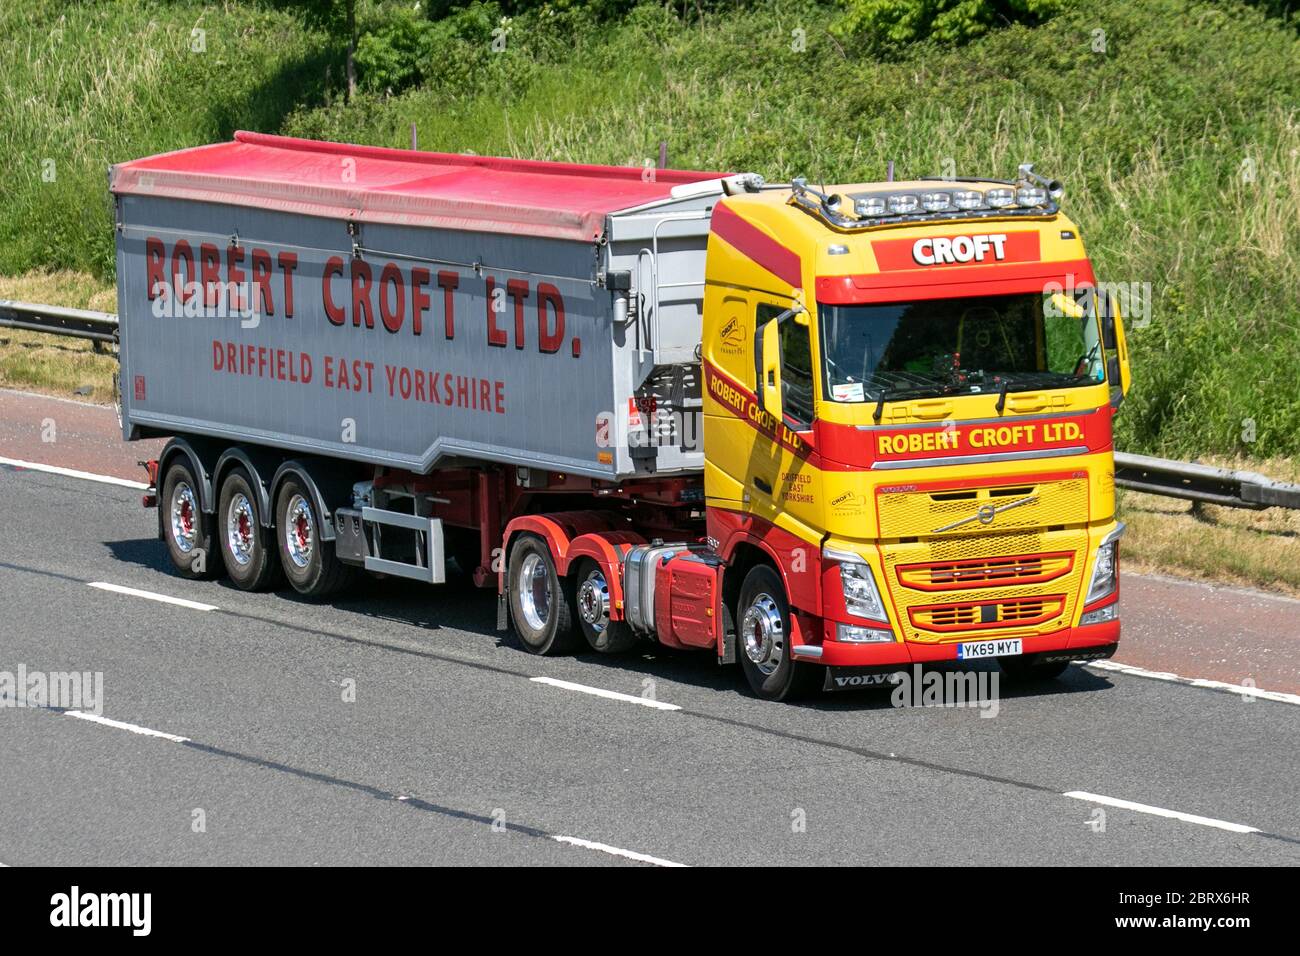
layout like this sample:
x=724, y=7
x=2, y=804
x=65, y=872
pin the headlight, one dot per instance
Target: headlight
x=861, y=597
x=1105, y=568
x=968, y=199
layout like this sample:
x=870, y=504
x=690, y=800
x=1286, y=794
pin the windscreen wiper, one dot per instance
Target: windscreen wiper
x=1002, y=394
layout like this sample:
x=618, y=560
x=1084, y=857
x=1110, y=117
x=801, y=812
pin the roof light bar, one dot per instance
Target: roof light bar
x=1030, y=195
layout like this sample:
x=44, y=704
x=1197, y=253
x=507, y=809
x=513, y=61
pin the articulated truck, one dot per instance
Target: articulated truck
x=825, y=432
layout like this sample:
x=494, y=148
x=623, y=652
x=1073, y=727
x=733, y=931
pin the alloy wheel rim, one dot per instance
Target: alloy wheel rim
x=184, y=517
x=763, y=633
x=535, y=592
x=299, y=531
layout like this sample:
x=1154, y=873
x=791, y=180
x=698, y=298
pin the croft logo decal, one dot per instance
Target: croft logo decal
x=956, y=252
x=940, y=250
x=732, y=336
x=848, y=502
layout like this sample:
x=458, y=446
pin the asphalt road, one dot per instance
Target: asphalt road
x=453, y=752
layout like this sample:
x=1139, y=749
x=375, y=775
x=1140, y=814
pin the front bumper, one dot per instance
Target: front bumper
x=1080, y=639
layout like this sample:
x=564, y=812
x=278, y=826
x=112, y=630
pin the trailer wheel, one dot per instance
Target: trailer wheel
x=602, y=634
x=186, y=530
x=308, y=561
x=763, y=640
x=541, y=602
x=247, y=548
x=1030, y=668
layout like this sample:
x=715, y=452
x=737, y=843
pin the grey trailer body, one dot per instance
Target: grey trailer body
x=416, y=347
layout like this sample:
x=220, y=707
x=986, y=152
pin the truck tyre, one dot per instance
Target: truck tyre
x=602, y=634
x=247, y=548
x=1029, y=668
x=186, y=529
x=541, y=602
x=763, y=640
x=308, y=561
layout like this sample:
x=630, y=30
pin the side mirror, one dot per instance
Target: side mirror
x=1113, y=340
x=767, y=359
x=769, y=384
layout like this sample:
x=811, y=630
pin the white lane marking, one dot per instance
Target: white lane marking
x=73, y=473
x=615, y=851
x=1239, y=689
x=151, y=596
x=601, y=692
x=1160, y=812
x=120, y=725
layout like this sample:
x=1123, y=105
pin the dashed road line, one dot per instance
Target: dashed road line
x=615, y=851
x=601, y=692
x=406, y=800
x=122, y=725
x=152, y=596
x=73, y=473
x=1160, y=812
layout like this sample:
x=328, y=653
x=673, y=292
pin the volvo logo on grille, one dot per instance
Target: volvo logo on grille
x=986, y=513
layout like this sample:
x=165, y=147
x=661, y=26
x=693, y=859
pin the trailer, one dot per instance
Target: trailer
x=578, y=384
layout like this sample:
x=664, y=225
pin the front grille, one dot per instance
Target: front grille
x=985, y=572
x=943, y=578
x=985, y=615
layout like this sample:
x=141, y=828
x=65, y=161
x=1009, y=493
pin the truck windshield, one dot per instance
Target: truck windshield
x=958, y=346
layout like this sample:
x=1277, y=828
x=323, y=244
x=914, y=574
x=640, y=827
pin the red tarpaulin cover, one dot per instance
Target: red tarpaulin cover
x=375, y=184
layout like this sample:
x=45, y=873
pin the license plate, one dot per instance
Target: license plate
x=981, y=649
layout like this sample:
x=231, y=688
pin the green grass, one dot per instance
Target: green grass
x=87, y=84
x=1150, y=139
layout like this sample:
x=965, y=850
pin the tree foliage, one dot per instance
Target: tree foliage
x=888, y=25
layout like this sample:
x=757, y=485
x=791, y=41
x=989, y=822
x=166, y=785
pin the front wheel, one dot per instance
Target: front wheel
x=763, y=640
